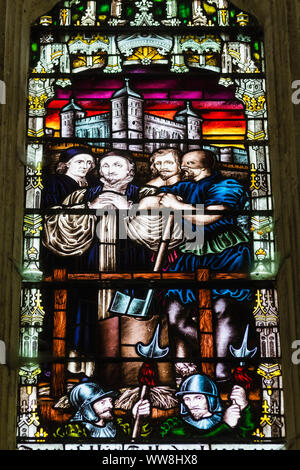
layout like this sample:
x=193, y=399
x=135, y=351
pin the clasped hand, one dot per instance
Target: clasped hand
x=110, y=199
x=171, y=201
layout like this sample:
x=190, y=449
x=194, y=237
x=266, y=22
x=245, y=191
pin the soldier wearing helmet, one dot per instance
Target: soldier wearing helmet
x=94, y=409
x=200, y=402
x=94, y=414
x=202, y=412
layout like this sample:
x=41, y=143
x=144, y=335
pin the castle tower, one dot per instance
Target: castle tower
x=127, y=115
x=226, y=155
x=68, y=115
x=193, y=124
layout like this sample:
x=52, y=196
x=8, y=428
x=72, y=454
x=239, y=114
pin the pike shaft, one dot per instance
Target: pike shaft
x=137, y=420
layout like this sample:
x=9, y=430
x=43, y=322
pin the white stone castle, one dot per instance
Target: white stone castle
x=127, y=120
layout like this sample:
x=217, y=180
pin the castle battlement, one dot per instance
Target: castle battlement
x=168, y=122
x=93, y=119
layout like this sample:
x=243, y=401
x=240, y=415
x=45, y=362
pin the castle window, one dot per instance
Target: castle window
x=121, y=311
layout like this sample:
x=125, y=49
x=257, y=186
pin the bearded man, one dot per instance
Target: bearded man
x=225, y=249
x=83, y=242
x=165, y=170
x=203, y=415
x=71, y=235
x=93, y=415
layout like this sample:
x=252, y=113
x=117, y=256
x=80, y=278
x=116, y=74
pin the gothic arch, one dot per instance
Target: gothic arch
x=280, y=39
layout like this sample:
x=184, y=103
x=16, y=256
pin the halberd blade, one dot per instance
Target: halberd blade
x=152, y=350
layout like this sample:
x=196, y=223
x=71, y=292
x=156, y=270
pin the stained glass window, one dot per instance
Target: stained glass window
x=149, y=312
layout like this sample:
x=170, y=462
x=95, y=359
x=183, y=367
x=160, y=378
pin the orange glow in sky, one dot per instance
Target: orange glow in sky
x=217, y=124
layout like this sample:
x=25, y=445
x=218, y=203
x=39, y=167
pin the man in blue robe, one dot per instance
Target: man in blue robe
x=225, y=248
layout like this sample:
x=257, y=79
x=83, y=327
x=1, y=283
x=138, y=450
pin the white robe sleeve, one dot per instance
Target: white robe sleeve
x=69, y=234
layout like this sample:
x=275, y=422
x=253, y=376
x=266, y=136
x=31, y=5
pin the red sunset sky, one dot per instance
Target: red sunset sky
x=223, y=115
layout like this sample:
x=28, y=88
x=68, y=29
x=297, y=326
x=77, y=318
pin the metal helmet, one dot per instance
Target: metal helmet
x=204, y=385
x=83, y=396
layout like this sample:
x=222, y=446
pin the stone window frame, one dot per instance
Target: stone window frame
x=280, y=22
